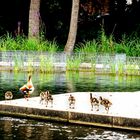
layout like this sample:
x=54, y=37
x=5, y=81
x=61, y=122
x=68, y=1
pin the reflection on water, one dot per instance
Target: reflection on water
x=67, y=82
x=17, y=129
x=20, y=129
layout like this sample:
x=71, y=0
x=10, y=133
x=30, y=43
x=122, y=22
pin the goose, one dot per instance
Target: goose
x=28, y=88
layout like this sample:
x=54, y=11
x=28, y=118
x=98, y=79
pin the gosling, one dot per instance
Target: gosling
x=8, y=95
x=71, y=100
x=94, y=102
x=48, y=98
x=106, y=103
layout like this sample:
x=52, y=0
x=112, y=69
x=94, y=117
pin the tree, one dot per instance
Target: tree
x=73, y=27
x=34, y=18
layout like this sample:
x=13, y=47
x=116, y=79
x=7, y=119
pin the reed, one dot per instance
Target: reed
x=73, y=63
x=7, y=42
x=18, y=63
x=87, y=47
x=46, y=63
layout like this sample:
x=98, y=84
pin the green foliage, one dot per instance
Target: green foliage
x=46, y=63
x=87, y=47
x=130, y=45
x=18, y=63
x=73, y=63
x=7, y=42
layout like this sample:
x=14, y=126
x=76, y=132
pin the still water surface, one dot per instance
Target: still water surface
x=21, y=129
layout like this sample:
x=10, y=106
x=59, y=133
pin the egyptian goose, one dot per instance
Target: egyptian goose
x=8, y=95
x=94, y=102
x=71, y=100
x=105, y=102
x=28, y=88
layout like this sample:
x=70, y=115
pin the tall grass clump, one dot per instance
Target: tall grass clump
x=73, y=63
x=37, y=45
x=106, y=44
x=88, y=51
x=18, y=63
x=103, y=44
x=87, y=47
x=7, y=42
x=46, y=63
x=130, y=45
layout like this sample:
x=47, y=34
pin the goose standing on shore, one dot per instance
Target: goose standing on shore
x=28, y=88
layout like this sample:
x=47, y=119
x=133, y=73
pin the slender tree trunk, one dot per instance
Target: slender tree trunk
x=34, y=16
x=73, y=27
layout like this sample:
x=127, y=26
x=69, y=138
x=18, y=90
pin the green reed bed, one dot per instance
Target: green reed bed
x=7, y=43
x=130, y=45
x=73, y=63
x=46, y=63
x=85, y=52
x=18, y=63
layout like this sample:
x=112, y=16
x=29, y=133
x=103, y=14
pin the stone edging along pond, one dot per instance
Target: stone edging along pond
x=119, y=116
x=71, y=117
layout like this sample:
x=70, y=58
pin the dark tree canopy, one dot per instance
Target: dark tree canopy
x=116, y=16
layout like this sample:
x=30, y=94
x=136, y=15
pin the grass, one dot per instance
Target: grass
x=73, y=63
x=7, y=43
x=46, y=63
x=86, y=51
x=130, y=45
x=18, y=63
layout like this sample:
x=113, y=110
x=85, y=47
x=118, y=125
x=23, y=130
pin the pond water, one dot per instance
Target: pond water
x=57, y=83
x=17, y=129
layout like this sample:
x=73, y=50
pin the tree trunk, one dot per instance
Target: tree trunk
x=34, y=18
x=73, y=27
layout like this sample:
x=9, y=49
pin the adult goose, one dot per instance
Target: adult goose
x=28, y=88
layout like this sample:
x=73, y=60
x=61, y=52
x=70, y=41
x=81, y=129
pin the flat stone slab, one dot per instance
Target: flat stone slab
x=124, y=112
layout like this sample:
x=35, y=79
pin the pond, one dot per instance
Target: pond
x=57, y=83
x=17, y=129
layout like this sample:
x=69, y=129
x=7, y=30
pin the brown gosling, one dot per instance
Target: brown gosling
x=48, y=98
x=106, y=103
x=8, y=95
x=94, y=102
x=71, y=100
x=42, y=97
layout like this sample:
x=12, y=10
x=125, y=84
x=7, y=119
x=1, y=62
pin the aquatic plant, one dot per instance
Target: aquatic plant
x=73, y=62
x=18, y=62
x=87, y=47
x=46, y=63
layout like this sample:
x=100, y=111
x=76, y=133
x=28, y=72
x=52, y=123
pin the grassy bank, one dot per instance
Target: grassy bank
x=91, y=52
x=8, y=43
x=130, y=45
